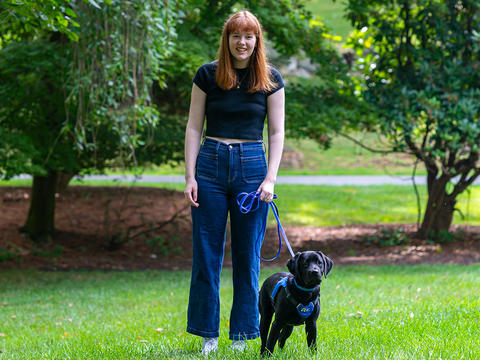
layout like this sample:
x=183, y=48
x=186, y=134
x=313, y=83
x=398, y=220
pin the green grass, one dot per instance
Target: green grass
x=332, y=15
x=345, y=205
x=340, y=205
x=344, y=157
x=388, y=312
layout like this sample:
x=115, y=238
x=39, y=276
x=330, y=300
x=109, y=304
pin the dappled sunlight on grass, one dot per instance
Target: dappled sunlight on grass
x=367, y=313
x=330, y=205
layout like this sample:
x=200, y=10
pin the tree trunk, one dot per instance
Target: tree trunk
x=440, y=206
x=40, y=224
x=63, y=179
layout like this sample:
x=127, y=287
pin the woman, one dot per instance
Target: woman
x=235, y=94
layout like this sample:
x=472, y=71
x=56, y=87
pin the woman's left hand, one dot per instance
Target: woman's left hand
x=266, y=190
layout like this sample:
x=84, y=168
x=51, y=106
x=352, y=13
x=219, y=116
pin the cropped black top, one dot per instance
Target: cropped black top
x=234, y=114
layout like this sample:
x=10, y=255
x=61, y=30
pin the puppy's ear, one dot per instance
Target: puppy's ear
x=292, y=264
x=327, y=263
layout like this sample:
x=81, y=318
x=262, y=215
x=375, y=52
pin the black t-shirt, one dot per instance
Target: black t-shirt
x=234, y=113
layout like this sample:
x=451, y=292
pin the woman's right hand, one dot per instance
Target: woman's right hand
x=191, y=191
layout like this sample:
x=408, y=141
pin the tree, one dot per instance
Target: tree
x=420, y=62
x=75, y=106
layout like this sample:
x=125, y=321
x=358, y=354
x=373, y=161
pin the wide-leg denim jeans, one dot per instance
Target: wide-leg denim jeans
x=222, y=172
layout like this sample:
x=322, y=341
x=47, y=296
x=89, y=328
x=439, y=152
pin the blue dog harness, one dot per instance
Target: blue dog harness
x=303, y=310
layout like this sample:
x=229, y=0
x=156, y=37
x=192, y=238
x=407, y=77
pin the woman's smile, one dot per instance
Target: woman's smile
x=241, y=45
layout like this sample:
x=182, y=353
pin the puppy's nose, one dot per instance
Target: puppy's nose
x=315, y=271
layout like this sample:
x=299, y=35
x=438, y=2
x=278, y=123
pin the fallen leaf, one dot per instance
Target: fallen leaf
x=2, y=335
x=143, y=341
x=351, y=302
x=337, y=287
x=58, y=323
x=14, y=316
x=71, y=304
x=159, y=329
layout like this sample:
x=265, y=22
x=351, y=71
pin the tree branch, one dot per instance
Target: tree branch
x=365, y=146
x=159, y=226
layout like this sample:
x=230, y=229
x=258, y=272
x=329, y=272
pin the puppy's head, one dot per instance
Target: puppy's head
x=308, y=267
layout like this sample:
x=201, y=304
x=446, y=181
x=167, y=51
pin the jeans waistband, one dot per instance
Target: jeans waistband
x=241, y=145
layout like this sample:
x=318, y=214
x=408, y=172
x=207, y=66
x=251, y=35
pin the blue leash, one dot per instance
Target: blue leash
x=250, y=202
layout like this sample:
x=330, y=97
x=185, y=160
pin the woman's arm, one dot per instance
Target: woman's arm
x=193, y=138
x=276, y=134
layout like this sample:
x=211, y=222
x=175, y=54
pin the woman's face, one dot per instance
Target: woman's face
x=241, y=45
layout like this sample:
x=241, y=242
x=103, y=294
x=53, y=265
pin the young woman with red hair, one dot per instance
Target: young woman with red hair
x=234, y=94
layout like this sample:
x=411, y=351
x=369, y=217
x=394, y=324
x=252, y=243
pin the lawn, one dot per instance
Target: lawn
x=389, y=312
x=331, y=12
x=312, y=205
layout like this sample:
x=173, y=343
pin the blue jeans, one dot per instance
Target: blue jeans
x=222, y=172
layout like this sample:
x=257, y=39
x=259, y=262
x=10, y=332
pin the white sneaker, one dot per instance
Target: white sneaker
x=239, y=345
x=209, y=345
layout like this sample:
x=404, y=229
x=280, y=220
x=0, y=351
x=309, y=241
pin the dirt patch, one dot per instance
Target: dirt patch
x=135, y=228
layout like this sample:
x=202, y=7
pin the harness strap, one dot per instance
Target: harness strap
x=303, y=310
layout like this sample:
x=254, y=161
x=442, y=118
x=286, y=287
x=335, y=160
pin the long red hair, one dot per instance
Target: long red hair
x=259, y=72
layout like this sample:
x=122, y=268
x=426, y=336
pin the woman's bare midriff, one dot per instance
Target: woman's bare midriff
x=230, y=141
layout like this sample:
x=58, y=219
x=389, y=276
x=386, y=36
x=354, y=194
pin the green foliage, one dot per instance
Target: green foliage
x=27, y=19
x=81, y=105
x=442, y=236
x=320, y=107
x=33, y=116
x=420, y=62
x=55, y=253
x=389, y=237
x=7, y=255
x=120, y=53
x=164, y=246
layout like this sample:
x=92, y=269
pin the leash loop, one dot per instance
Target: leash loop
x=250, y=202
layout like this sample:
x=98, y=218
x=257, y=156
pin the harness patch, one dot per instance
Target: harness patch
x=305, y=311
x=302, y=310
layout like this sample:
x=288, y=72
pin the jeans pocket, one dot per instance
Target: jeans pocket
x=207, y=165
x=254, y=168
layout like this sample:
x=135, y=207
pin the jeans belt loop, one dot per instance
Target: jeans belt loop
x=218, y=146
x=241, y=149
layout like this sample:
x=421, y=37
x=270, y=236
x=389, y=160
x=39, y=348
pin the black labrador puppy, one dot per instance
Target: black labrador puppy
x=294, y=298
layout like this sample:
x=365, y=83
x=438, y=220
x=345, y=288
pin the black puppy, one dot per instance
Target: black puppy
x=294, y=298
